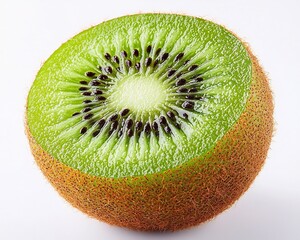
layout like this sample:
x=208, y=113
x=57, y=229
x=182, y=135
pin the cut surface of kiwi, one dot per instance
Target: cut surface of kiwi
x=139, y=95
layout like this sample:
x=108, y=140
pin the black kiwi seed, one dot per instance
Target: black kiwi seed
x=148, y=61
x=185, y=115
x=155, y=126
x=190, y=97
x=167, y=129
x=103, y=77
x=162, y=120
x=186, y=62
x=171, y=115
x=113, y=117
x=124, y=112
x=83, y=82
x=139, y=126
x=88, y=116
x=100, y=98
x=199, y=79
x=135, y=53
x=180, y=82
x=179, y=57
x=95, y=83
x=86, y=110
x=75, y=114
x=96, y=133
x=192, y=90
x=101, y=123
x=124, y=54
x=129, y=133
x=116, y=59
x=188, y=105
x=182, y=90
x=157, y=51
x=83, y=130
x=171, y=72
x=147, y=128
x=138, y=66
x=87, y=101
x=129, y=123
x=86, y=93
x=97, y=92
x=107, y=56
x=155, y=63
x=149, y=49
x=164, y=57
x=83, y=88
x=90, y=74
x=114, y=125
x=193, y=67
x=118, y=69
x=108, y=70
x=128, y=63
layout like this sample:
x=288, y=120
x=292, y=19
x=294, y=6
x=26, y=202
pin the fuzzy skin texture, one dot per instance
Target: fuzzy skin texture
x=177, y=198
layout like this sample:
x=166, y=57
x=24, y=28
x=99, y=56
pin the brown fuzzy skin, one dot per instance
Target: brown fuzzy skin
x=182, y=197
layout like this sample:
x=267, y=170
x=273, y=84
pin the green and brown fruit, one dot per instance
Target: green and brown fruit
x=151, y=121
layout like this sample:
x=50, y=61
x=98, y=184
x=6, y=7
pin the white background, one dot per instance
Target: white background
x=31, y=30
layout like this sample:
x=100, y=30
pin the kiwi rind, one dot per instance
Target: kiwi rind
x=186, y=195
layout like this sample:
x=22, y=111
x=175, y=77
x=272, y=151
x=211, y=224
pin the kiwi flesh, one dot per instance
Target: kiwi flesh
x=151, y=121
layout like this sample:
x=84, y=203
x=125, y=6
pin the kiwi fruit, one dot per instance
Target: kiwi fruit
x=154, y=122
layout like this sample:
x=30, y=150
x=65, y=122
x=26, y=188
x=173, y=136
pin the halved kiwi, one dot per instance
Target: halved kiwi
x=151, y=121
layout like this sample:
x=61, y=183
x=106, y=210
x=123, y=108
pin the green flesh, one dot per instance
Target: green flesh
x=220, y=98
